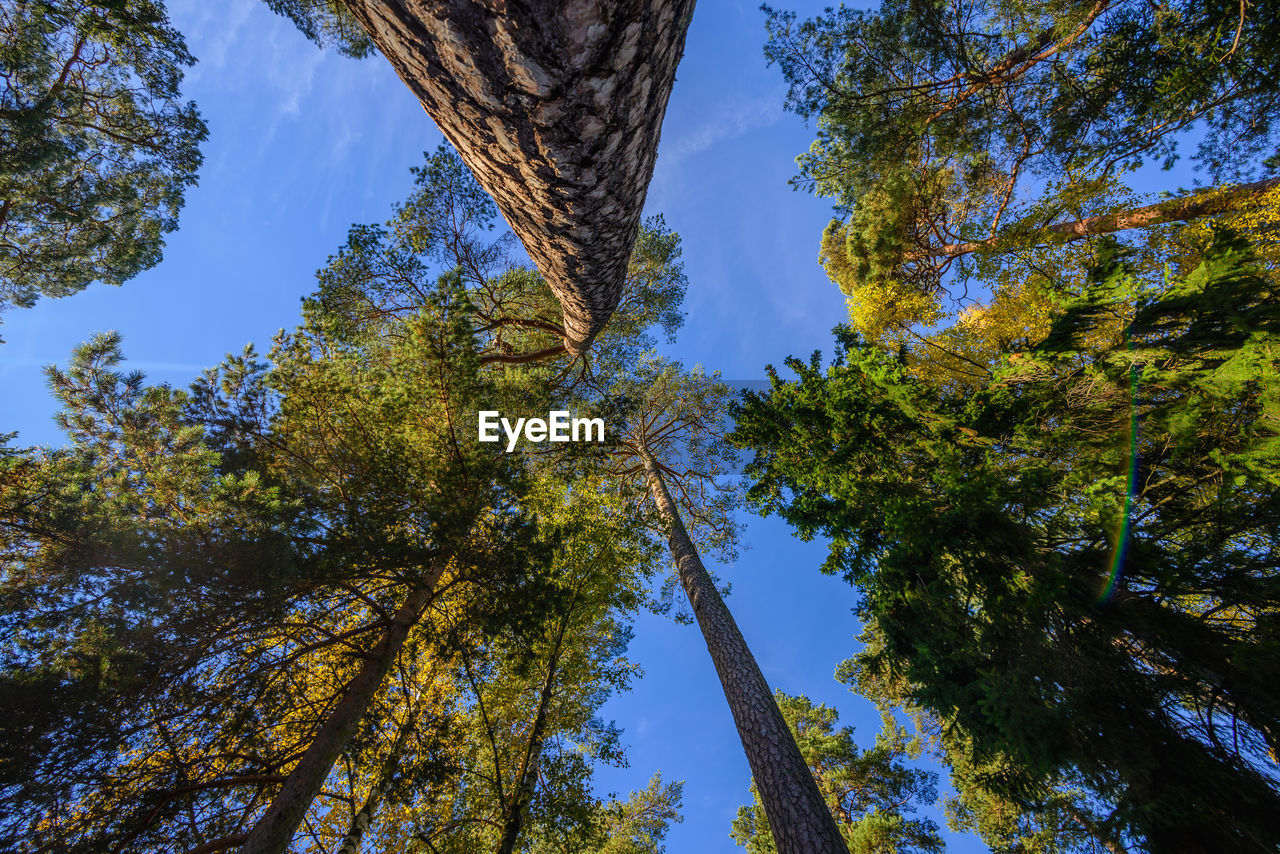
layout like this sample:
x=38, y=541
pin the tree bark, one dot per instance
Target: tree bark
x=556, y=106
x=362, y=820
x=799, y=818
x=274, y=831
x=1181, y=209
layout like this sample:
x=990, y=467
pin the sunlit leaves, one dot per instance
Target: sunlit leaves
x=1099, y=504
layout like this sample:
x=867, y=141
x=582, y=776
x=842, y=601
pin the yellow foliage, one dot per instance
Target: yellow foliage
x=1258, y=222
x=877, y=305
x=962, y=353
x=955, y=342
x=880, y=306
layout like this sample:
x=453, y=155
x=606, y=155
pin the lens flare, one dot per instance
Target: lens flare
x=1122, y=535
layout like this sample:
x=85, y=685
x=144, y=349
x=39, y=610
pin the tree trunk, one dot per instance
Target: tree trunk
x=522, y=797
x=556, y=106
x=799, y=818
x=274, y=831
x=1182, y=209
x=527, y=785
x=363, y=819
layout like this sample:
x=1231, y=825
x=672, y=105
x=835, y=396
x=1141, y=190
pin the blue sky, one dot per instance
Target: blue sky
x=303, y=143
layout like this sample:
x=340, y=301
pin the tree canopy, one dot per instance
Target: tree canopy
x=952, y=127
x=871, y=792
x=304, y=579
x=97, y=145
x=1073, y=563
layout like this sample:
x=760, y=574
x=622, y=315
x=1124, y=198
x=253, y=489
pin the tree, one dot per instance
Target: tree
x=381, y=426
x=871, y=793
x=1062, y=817
x=949, y=128
x=412, y=548
x=639, y=824
x=97, y=147
x=528, y=732
x=1073, y=568
x=125, y=557
x=485, y=347
x=374, y=519
x=384, y=273
x=392, y=520
x=557, y=111
x=1027, y=288
x=671, y=432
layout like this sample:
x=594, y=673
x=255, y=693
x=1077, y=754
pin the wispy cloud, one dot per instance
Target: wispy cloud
x=210, y=30
x=730, y=121
x=292, y=71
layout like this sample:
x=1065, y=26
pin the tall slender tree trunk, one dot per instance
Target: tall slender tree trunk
x=274, y=831
x=799, y=818
x=363, y=820
x=518, y=809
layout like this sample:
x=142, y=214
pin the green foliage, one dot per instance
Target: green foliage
x=384, y=273
x=639, y=824
x=97, y=147
x=185, y=585
x=121, y=556
x=528, y=734
x=190, y=587
x=952, y=121
x=1070, y=569
x=659, y=408
x=327, y=23
x=871, y=793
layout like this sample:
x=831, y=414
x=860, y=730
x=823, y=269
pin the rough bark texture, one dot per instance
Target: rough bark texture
x=799, y=818
x=556, y=106
x=1182, y=209
x=274, y=831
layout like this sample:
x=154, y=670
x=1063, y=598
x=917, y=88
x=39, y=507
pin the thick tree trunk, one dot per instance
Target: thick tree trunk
x=799, y=818
x=274, y=831
x=1183, y=209
x=556, y=106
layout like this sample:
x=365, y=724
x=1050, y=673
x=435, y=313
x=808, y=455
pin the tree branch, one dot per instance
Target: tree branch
x=1183, y=209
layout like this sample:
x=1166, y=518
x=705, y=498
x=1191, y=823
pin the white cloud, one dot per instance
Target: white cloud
x=291, y=71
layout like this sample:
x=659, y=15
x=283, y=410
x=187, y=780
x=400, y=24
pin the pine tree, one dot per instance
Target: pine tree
x=1072, y=569
x=671, y=455
x=871, y=792
x=97, y=147
x=958, y=127
x=557, y=111
x=415, y=569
